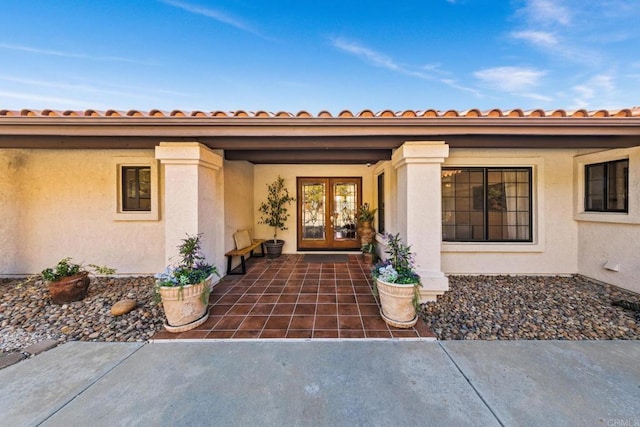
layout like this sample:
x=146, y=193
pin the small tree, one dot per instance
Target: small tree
x=274, y=210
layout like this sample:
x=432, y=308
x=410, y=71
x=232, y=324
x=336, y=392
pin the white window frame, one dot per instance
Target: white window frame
x=119, y=213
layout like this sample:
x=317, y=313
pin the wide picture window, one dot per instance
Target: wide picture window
x=487, y=204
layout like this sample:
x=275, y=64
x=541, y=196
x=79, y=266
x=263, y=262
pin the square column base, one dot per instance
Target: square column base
x=432, y=286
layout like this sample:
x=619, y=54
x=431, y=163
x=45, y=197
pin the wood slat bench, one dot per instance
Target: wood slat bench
x=244, y=245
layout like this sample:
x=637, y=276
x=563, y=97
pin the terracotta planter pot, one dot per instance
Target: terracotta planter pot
x=366, y=233
x=69, y=289
x=396, y=303
x=274, y=249
x=184, y=307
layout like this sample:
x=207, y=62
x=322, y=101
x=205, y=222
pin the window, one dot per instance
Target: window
x=136, y=188
x=487, y=204
x=607, y=187
x=381, y=203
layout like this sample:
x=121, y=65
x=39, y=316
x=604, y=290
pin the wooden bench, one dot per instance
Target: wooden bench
x=244, y=245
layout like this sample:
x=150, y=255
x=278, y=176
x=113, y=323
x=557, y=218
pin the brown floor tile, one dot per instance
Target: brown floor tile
x=326, y=322
x=369, y=309
x=301, y=322
x=374, y=323
x=229, y=322
x=261, y=309
x=299, y=333
x=348, y=310
x=423, y=330
x=274, y=333
x=346, y=298
x=219, y=309
x=325, y=334
x=288, y=299
x=305, y=309
x=210, y=322
x=249, y=299
x=220, y=334
x=283, y=309
x=403, y=333
x=163, y=335
x=253, y=322
x=278, y=322
x=355, y=333
x=240, y=309
x=193, y=334
x=327, y=299
x=307, y=298
x=267, y=298
x=326, y=309
x=349, y=322
x=247, y=333
x=377, y=334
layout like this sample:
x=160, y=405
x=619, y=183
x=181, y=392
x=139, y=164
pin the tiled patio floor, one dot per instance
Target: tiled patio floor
x=289, y=298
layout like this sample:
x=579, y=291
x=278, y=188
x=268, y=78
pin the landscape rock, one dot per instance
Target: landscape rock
x=123, y=307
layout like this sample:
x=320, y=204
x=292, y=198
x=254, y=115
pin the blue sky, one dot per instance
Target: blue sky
x=282, y=55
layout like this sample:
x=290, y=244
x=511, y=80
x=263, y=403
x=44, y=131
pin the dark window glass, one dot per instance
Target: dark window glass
x=381, y=203
x=607, y=187
x=136, y=188
x=486, y=204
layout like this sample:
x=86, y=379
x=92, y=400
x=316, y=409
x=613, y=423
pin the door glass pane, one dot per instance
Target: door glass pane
x=313, y=211
x=344, y=210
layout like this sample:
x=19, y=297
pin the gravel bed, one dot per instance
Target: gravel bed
x=28, y=316
x=531, y=307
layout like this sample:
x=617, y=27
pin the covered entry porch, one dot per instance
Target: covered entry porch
x=288, y=298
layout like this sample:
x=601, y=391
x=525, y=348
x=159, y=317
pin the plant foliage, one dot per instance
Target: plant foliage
x=66, y=268
x=274, y=210
x=366, y=214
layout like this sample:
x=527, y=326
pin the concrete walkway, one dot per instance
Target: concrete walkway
x=327, y=383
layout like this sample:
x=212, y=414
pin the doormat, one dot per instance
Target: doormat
x=325, y=258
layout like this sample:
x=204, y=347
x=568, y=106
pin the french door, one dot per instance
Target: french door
x=327, y=213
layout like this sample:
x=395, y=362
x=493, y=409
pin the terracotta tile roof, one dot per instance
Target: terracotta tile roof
x=472, y=113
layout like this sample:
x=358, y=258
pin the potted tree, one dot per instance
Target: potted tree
x=184, y=287
x=68, y=281
x=274, y=213
x=368, y=253
x=365, y=218
x=397, y=284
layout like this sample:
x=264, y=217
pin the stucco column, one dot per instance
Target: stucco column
x=193, y=198
x=419, y=213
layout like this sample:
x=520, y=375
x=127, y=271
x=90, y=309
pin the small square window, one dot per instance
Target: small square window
x=136, y=188
x=607, y=187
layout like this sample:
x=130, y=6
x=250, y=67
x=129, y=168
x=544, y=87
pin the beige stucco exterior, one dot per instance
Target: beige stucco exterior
x=57, y=202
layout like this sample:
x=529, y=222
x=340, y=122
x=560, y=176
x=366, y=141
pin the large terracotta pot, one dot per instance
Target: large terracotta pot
x=366, y=232
x=69, y=289
x=396, y=301
x=186, y=307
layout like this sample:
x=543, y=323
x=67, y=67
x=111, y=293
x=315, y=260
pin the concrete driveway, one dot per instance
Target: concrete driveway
x=326, y=383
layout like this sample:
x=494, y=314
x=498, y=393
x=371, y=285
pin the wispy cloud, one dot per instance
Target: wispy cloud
x=52, y=101
x=509, y=79
x=546, y=12
x=538, y=38
x=64, y=54
x=381, y=60
x=217, y=15
x=599, y=88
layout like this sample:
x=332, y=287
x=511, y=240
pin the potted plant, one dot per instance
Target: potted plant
x=274, y=213
x=365, y=218
x=184, y=287
x=68, y=281
x=397, y=284
x=368, y=253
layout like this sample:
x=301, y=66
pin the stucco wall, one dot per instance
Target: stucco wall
x=555, y=246
x=266, y=174
x=238, y=203
x=57, y=203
